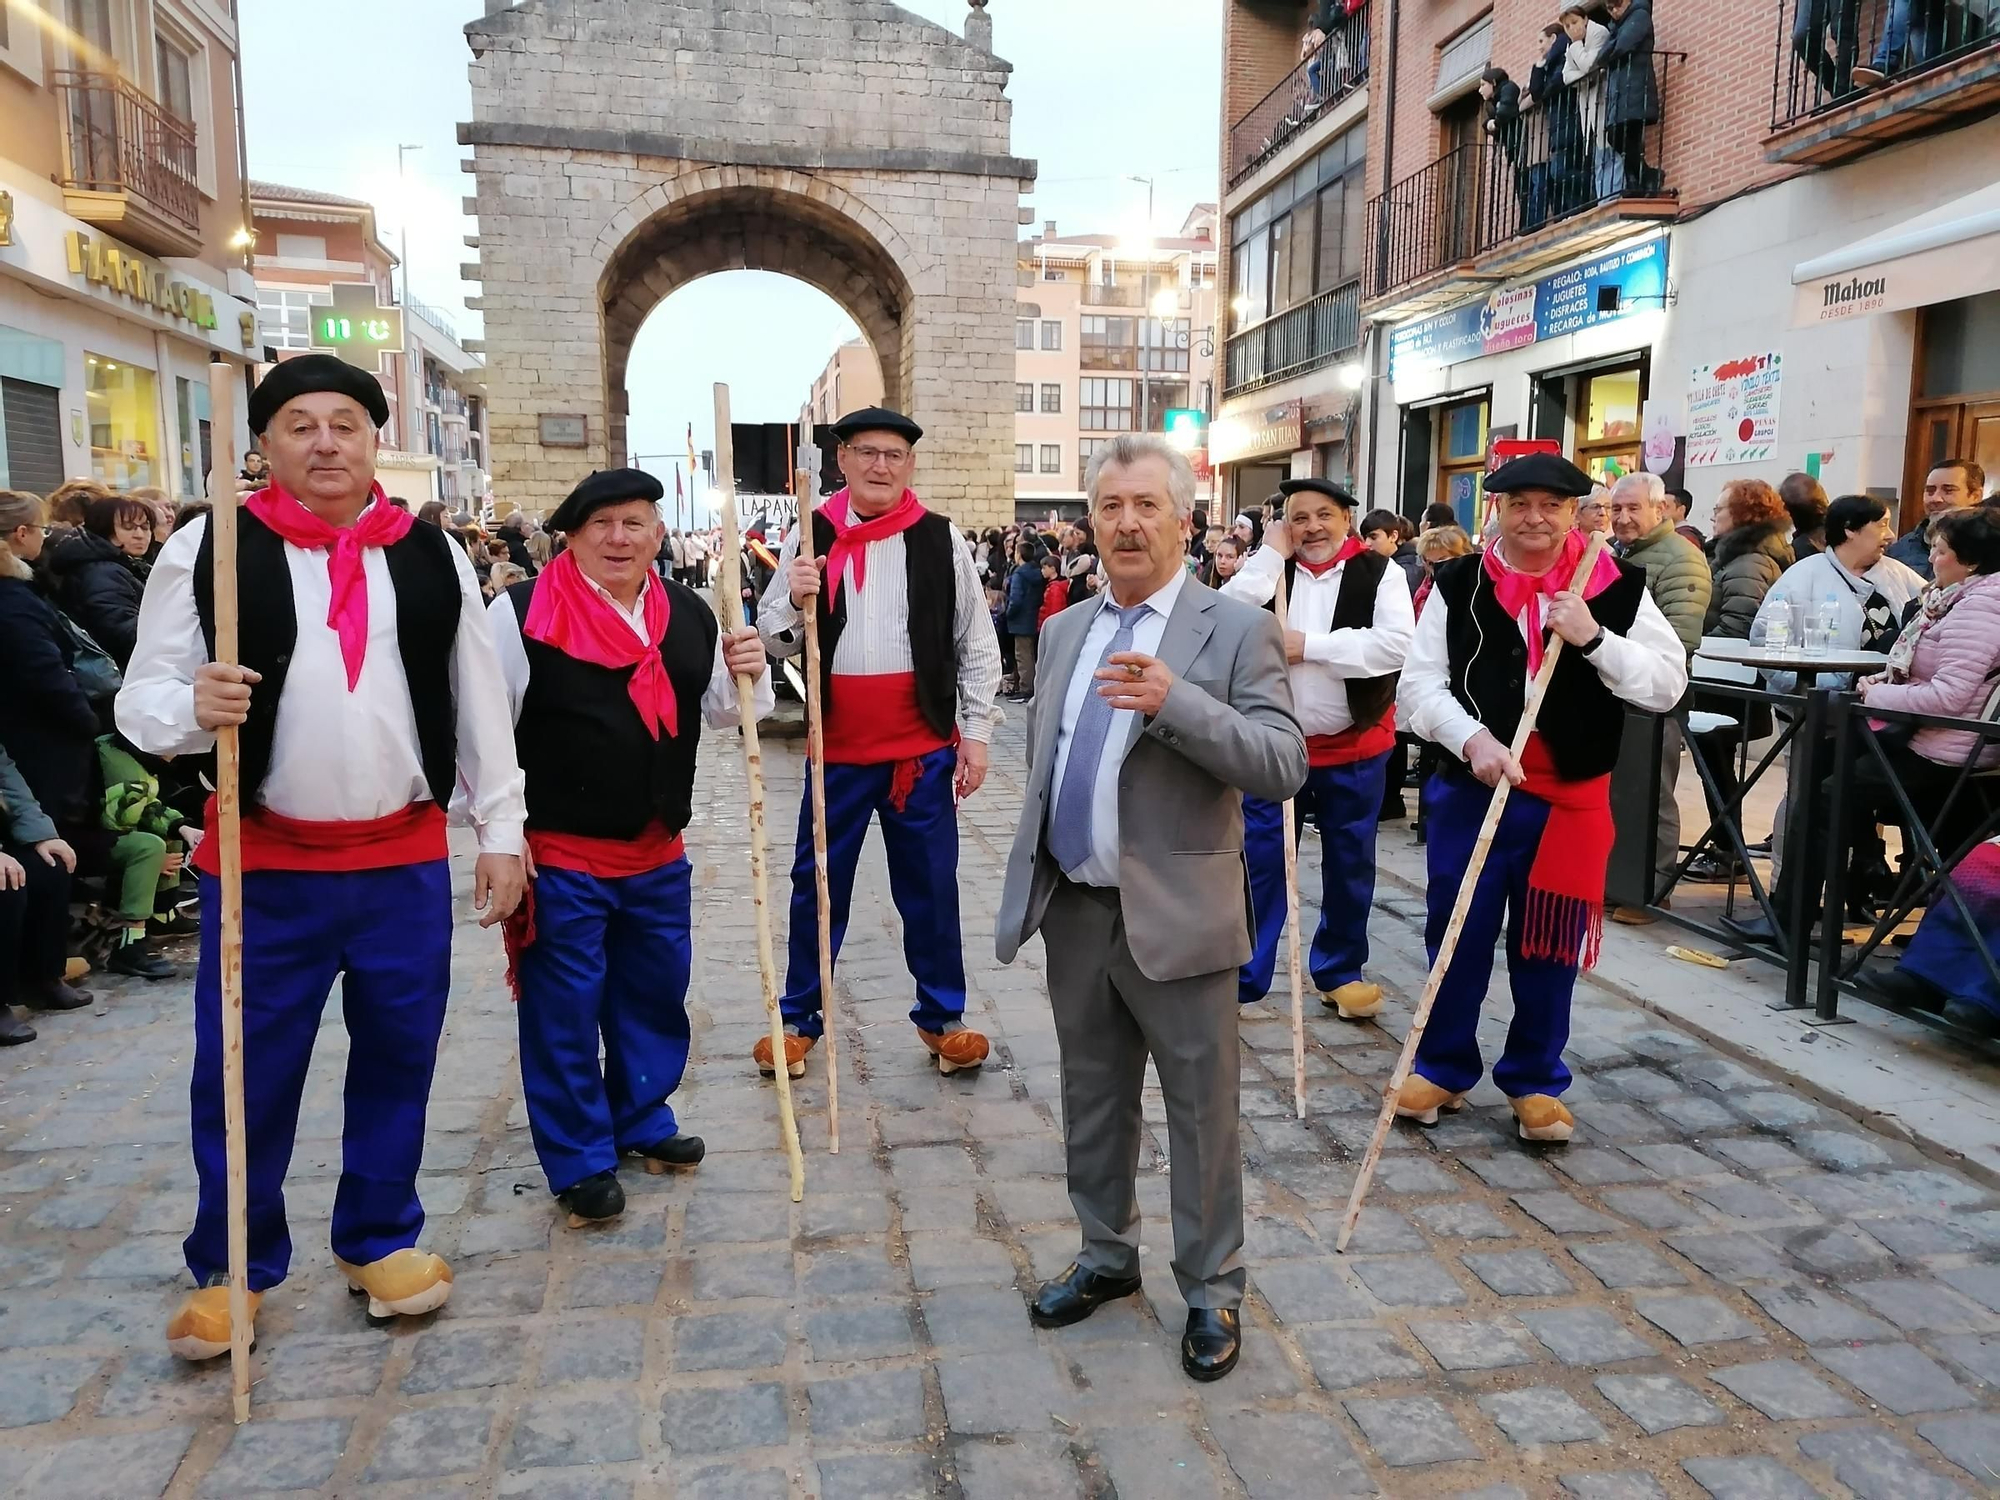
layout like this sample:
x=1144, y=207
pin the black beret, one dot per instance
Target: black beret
x=292, y=378
x=876, y=419
x=1539, y=471
x=603, y=487
x=1325, y=487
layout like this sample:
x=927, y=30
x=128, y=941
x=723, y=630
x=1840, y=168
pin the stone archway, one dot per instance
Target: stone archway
x=623, y=148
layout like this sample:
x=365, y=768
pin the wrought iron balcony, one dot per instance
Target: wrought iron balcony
x=1336, y=68
x=1852, y=75
x=1567, y=171
x=1317, y=332
x=129, y=165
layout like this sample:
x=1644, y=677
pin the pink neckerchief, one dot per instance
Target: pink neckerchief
x=851, y=538
x=379, y=525
x=1520, y=592
x=569, y=614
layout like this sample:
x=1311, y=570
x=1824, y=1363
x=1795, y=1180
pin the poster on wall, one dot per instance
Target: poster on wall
x=1732, y=410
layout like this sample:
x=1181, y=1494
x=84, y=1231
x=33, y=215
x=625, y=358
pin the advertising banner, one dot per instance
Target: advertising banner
x=1732, y=410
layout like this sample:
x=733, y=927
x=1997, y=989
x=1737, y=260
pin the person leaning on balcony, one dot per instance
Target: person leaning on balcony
x=1955, y=484
x=1631, y=95
x=1811, y=20
x=1897, y=33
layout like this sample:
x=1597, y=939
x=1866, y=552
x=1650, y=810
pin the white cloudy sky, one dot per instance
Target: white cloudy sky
x=1102, y=89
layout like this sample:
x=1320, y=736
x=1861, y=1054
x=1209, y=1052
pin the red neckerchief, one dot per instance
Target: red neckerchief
x=380, y=525
x=851, y=538
x=1349, y=549
x=569, y=614
x=1518, y=591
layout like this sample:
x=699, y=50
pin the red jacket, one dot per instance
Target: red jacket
x=1055, y=599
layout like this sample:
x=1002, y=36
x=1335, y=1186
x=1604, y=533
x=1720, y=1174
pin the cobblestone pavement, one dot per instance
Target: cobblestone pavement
x=1720, y=1289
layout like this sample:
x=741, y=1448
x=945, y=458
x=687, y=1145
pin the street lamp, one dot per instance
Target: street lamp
x=409, y=358
x=1145, y=247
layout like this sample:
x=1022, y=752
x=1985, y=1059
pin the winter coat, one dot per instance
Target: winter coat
x=1558, y=102
x=1406, y=558
x=1913, y=549
x=1956, y=666
x=1055, y=599
x=1747, y=561
x=1811, y=581
x=1024, y=598
x=1631, y=95
x=22, y=820
x=1677, y=577
x=99, y=587
x=47, y=725
x=1503, y=119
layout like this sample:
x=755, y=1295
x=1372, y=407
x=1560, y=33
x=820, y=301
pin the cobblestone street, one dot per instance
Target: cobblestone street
x=1721, y=1289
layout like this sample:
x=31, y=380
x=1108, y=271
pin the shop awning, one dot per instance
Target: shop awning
x=1953, y=251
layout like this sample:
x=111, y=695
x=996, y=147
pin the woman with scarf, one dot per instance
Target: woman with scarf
x=610, y=672
x=1479, y=644
x=100, y=572
x=1945, y=662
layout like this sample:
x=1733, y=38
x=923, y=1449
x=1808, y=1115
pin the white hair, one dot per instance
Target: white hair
x=1127, y=449
x=1653, y=489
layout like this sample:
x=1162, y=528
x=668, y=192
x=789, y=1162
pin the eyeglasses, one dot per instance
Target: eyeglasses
x=870, y=457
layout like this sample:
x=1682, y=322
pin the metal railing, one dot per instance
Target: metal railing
x=1336, y=68
x=1580, y=145
x=1315, y=333
x=1832, y=52
x=1096, y=294
x=117, y=140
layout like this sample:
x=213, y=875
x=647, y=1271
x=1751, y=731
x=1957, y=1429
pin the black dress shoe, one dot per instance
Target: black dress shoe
x=1075, y=1295
x=1213, y=1340
x=680, y=1150
x=1756, y=929
x=138, y=960
x=1906, y=991
x=53, y=994
x=1713, y=869
x=1970, y=1015
x=596, y=1198
x=13, y=1030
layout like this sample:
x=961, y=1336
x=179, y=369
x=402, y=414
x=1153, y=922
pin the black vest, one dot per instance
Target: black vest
x=592, y=768
x=929, y=552
x=1368, y=698
x=428, y=605
x=1582, y=721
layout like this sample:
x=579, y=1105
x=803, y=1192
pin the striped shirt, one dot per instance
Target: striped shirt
x=877, y=637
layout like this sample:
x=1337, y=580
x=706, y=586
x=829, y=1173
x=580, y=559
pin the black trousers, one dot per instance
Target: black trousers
x=1868, y=796
x=34, y=925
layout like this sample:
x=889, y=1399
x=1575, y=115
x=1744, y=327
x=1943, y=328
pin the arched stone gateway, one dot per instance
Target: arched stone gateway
x=623, y=148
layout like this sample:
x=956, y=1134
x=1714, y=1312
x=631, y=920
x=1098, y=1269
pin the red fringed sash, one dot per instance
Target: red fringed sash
x=1564, y=919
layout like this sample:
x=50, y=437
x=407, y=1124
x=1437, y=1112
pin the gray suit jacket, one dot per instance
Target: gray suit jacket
x=1226, y=728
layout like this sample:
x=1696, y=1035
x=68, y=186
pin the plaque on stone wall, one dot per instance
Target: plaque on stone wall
x=561, y=429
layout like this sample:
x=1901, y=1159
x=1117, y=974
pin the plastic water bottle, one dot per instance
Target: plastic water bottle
x=1778, y=631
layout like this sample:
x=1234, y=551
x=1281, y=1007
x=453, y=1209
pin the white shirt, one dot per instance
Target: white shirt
x=1319, y=683
x=1102, y=866
x=877, y=637
x=336, y=756
x=1647, y=667
x=718, y=699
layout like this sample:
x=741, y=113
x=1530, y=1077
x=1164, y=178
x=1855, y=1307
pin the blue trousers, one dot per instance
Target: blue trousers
x=922, y=844
x=1345, y=802
x=1448, y=1054
x=610, y=959
x=386, y=935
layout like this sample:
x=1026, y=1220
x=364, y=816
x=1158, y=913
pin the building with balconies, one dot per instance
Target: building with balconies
x=123, y=231
x=1714, y=248
x=1295, y=146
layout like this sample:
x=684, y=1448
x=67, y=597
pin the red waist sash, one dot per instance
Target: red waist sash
x=607, y=859
x=272, y=841
x=874, y=718
x=1353, y=743
x=1564, y=920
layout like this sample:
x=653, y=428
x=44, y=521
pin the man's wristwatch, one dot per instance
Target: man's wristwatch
x=1594, y=642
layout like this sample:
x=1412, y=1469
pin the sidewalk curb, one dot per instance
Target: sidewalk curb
x=1893, y=1126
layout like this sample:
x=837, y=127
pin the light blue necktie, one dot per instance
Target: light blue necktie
x=1070, y=831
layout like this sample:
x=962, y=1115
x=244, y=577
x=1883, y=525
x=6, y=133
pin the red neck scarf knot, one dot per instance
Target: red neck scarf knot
x=1519, y=592
x=570, y=614
x=379, y=525
x=851, y=538
x=1346, y=552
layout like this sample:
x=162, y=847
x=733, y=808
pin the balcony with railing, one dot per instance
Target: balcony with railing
x=1316, y=333
x=1334, y=70
x=129, y=165
x=1853, y=75
x=1567, y=175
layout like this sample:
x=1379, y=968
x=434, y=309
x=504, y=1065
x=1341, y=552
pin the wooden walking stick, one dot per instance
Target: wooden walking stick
x=1468, y=885
x=223, y=400
x=729, y=597
x=1292, y=915
x=815, y=752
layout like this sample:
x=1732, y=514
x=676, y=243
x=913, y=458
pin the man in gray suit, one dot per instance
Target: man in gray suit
x=1157, y=705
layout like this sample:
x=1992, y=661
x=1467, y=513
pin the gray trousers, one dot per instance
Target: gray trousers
x=1667, y=852
x=1109, y=1017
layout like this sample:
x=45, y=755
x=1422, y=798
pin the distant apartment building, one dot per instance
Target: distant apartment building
x=123, y=229
x=1746, y=241
x=310, y=243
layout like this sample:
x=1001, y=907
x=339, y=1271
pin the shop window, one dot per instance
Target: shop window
x=1461, y=464
x=191, y=406
x=119, y=401
x=1607, y=441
